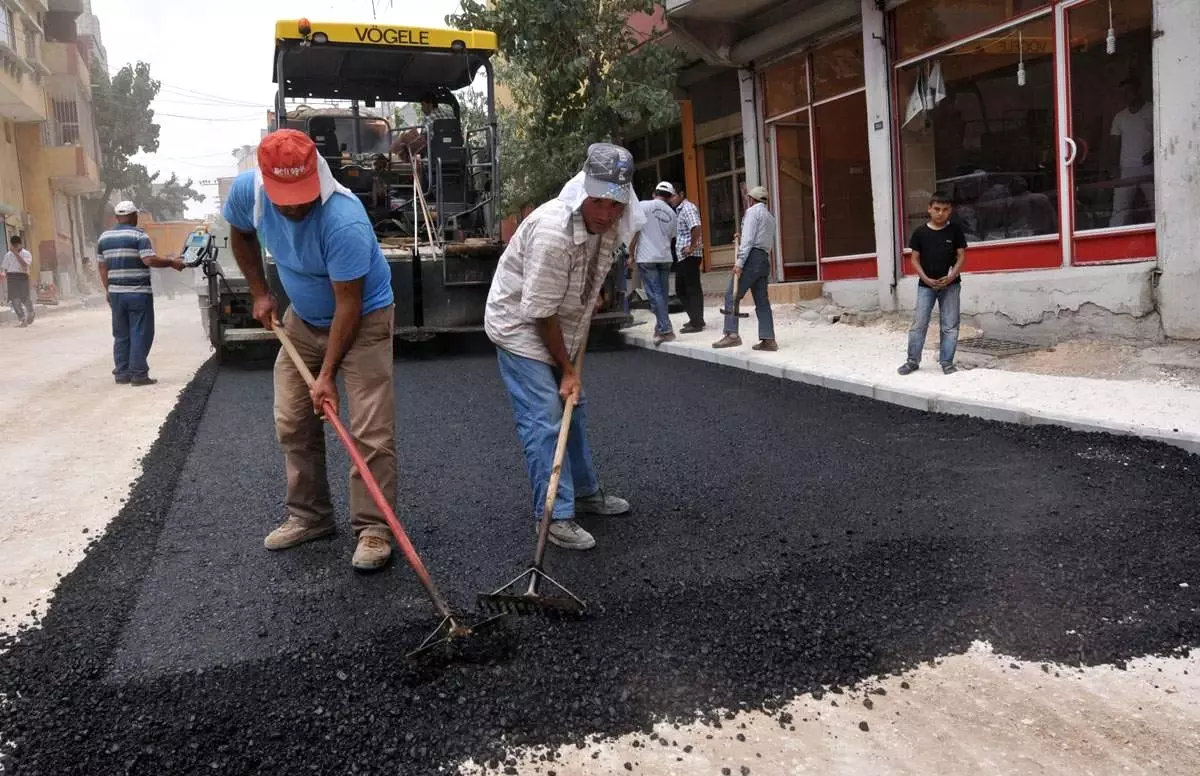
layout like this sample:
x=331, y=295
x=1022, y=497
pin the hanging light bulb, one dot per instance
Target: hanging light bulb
x=1021, y=60
x=1112, y=33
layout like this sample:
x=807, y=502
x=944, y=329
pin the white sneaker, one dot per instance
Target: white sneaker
x=570, y=536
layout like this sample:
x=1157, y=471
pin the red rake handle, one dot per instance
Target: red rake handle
x=331, y=415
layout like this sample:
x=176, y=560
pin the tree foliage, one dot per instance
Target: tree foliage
x=126, y=127
x=125, y=124
x=577, y=74
x=166, y=201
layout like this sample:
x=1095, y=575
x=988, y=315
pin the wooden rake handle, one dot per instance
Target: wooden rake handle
x=559, y=453
x=331, y=415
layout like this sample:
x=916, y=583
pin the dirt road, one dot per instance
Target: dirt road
x=73, y=439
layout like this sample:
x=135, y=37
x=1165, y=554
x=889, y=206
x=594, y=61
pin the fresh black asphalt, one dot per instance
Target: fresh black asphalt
x=783, y=537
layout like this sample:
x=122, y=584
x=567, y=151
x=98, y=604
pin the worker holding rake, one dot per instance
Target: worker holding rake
x=544, y=292
x=340, y=322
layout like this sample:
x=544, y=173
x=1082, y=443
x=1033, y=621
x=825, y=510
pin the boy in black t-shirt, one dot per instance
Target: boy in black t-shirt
x=939, y=251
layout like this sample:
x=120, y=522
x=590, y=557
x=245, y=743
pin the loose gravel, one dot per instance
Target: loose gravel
x=784, y=538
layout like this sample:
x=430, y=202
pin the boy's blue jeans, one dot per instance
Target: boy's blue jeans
x=948, y=312
x=537, y=408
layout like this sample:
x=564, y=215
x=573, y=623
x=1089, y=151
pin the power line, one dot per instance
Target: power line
x=251, y=117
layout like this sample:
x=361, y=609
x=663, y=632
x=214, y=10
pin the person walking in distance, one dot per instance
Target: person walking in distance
x=939, y=251
x=16, y=265
x=544, y=292
x=340, y=319
x=752, y=272
x=126, y=258
x=689, y=251
x=651, y=249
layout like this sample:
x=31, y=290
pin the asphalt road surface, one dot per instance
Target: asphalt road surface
x=783, y=537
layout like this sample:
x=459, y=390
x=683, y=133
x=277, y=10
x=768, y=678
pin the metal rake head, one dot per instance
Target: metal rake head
x=450, y=631
x=511, y=599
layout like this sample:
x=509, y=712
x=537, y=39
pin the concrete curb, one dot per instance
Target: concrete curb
x=914, y=398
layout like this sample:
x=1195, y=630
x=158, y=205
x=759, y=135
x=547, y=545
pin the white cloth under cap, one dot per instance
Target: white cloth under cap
x=329, y=187
x=631, y=221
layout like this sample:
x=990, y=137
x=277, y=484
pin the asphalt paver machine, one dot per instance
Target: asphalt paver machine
x=435, y=212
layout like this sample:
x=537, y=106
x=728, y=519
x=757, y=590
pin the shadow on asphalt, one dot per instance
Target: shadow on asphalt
x=784, y=537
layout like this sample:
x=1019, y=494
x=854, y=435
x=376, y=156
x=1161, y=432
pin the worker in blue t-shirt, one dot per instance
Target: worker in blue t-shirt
x=341, y=320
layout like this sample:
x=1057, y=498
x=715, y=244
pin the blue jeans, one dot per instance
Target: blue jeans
x=133, y=334
x=948, y=314
x=656, y=277
x=755, y=275
x=533, y=390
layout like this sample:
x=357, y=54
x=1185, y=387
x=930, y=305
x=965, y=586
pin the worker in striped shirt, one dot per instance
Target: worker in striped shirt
x=544, y=292
x=126, y=257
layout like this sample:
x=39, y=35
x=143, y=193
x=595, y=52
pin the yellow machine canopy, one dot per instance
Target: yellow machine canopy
x=345, y=61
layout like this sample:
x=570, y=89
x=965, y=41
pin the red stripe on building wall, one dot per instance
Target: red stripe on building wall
x=982, y=257
x=1115, y=247
x=850, y=269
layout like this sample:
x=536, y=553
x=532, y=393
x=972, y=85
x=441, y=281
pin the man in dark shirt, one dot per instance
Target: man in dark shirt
x=939, y=252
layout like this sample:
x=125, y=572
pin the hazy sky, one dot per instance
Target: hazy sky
x=214, y=61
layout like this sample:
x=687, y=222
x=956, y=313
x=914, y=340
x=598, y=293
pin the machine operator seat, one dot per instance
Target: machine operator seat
x=448, y=151
x=323, y=131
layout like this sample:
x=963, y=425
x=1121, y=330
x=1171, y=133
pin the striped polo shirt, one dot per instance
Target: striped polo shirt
x=121, y=250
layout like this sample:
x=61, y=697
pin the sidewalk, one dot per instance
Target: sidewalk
x=862, y=360
x=7, y=316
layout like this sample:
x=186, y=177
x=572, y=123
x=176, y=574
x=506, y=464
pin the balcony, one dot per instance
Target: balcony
x=70, y=145
x=64, y=59
x=736, y=33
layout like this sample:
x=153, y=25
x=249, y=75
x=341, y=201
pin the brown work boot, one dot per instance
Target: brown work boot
x=296, y=532
x=769, y=345
x=728, y=341
x=372, y=553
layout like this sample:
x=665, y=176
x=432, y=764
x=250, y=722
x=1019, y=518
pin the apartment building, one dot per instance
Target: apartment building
x=49, y=149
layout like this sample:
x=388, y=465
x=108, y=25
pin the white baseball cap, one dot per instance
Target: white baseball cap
x=759, y=193
x=665, y=187
x=125, y=208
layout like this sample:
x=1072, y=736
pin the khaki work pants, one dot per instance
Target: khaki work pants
x=370, y=391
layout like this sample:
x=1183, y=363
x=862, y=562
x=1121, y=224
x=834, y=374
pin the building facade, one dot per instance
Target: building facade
x=1062, y=129
x=49, y=151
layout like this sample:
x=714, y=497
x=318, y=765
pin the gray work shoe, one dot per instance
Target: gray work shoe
x=372, y=553
x=908, y=367
x=296, y=532
x=570, y=536
x=602, y=504
x=728, y=341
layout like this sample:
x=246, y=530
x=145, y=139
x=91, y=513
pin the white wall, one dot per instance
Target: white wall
x=1177, y=163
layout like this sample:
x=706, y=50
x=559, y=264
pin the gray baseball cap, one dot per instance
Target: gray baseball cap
x=608, y=172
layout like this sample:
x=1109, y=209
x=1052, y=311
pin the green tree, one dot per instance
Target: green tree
x=166, y=201
x=578, y=74
x=125, y=124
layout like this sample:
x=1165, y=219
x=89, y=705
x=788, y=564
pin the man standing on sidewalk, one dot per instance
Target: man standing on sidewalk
x=543, y=295
x=939, y=252
x=689, y=250
x=126, y=257
x=752, y=272
x=340, y=319
x=651, y=249
x=15, y=266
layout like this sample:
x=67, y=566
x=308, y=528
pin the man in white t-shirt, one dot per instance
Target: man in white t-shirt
x=15, y=266
x=1133, y=130
x=651, y=249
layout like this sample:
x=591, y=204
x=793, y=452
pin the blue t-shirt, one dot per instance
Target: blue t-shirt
x=334, y=243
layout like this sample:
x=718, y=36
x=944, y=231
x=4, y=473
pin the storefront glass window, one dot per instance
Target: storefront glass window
x=797, y=230
x=661, y=159
x=844, y=167
x=1111, y=119
x=973, y=128
x=723, y=184
x=838, y=68
x=922, y=25
x=785, y=86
